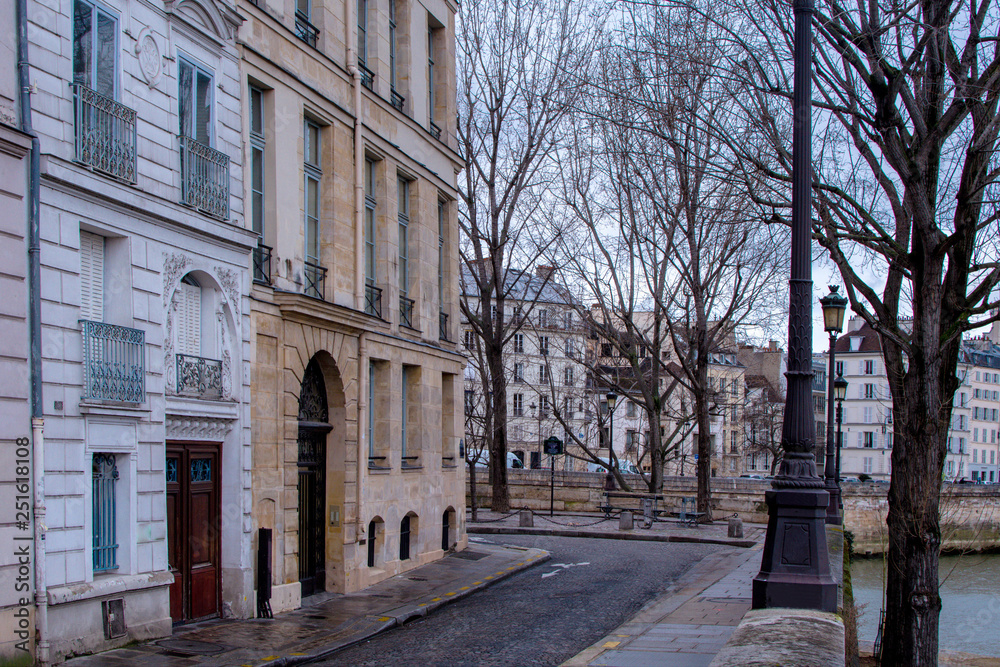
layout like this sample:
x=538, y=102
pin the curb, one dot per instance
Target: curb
x=641, y=537
x=407, y=612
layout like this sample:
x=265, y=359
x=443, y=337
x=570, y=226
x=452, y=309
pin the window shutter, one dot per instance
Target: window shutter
x=188, y=323
x=861, y=439
x=91, y=277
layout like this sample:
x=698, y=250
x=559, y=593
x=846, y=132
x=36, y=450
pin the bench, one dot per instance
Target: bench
x=626, y=501
x=688, y=513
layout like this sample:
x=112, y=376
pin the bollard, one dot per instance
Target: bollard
x=527, y=519
x=735, y=527
x=647, y=513
x=625, y=521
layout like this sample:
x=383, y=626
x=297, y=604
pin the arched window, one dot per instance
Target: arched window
x=404, y=538
x=188, y=323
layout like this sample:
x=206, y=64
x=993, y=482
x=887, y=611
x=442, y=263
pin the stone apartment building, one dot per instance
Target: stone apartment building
x=349, y=136
x=980, y=396
x=544, y=372
x=145, y=319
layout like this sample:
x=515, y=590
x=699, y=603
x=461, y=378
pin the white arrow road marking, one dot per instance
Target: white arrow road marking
x=563, y=567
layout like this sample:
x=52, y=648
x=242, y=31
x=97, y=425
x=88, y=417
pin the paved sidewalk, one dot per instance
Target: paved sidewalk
x=329, y=622
x=568, y=524
x=687, y=626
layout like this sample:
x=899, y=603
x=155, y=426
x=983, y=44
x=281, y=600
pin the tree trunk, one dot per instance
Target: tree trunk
x=472, y=492
x=498, y=441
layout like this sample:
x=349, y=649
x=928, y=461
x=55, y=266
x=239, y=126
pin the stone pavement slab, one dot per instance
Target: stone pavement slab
x=687, y=626
x=327, y=622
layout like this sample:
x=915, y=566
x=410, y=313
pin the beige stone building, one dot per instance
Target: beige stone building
x=357, y=387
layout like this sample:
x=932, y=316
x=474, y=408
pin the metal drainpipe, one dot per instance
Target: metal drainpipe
x=363, y=406
x=359, y=248
x=35, y=339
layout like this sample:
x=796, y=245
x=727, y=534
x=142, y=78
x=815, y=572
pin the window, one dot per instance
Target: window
x=405, y=393
x=543, y=317
x=963, y=399
x=95, y=48
x=369, y=230
x=868, y=412
x=195, y=102
x=392, y=48
x=630, y=409
x=869, y=439
x=605, y=349
x=568, y=376
x=869, y=367
x=961, y=422
x=187, y=320
x=363, y=32
x=518, y=405
x=870, y=391
x=371, y=408
x=840, y=368
x=312, y=166
x=951, y=467
x=732, y=442
x=441, y=255
x=975, y=455
x=404, y=538
x=569, y=319
x=570, y=347
x=470, y=401
x=432, y=82
x=257, y=144
x=975, y=435
x=518, y=372
x=519, y=343
x=404, y=236
x=544, y=400
x=631, y=440
x=543, y=373
x=374, y=528
x=105, y=511
x=91, y=277
x=543, y=344
x=468, y=339
x=961, y=445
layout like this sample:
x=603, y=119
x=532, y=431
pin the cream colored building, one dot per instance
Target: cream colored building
x=349, y=137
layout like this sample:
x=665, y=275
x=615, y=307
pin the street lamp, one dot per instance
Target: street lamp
x=795, y=567
x=840, y=391
x=834, y=305
x=612, y=399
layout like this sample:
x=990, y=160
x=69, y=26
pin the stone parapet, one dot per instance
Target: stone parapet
x=767, y=637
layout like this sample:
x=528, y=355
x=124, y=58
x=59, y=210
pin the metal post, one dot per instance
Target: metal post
x=840, y=443
x=833, y=514
x=552, y=482
x=795, y=567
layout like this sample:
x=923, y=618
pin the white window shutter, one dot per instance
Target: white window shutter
x=91, y=277
x=861, y=439
x=188, y=323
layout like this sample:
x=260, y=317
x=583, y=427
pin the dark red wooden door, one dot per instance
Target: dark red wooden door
x=193, y=530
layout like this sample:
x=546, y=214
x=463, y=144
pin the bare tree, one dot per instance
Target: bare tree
x=684, y=241
x=905, y=201
x=519, y=69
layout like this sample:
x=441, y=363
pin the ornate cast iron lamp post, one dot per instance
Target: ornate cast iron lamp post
x=795, y=568
x=840, y=391
x=612, y=400
x=834, y=306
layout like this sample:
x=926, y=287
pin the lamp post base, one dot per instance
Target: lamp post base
x=834, y=513
x=795, y=568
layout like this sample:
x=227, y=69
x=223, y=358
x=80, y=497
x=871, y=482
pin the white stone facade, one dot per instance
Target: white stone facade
x=124, y=206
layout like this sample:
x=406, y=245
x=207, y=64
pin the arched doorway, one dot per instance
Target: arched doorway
x=314, y=425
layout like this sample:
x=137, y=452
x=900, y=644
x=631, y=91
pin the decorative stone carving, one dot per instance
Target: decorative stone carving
x=174, y=268
x=210, y=429
x=148, y=53
x=230, y=282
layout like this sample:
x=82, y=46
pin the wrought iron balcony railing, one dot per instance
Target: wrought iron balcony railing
x=105, y=134
x=305, y=30
x=204, y=178
x=262, y=264
x=373, y=300
x=114, y=367
x=199, y=377
x=435, y=130
x=315, y=279
x=367, y=76
x=396, y=100
x=406, y=311
x=443, y=326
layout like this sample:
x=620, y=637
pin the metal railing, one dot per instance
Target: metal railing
x=443, y=326
x=105, y=133
x=406, y=311
x=373, y=300
x=305, y=30
x=262, y=264
x=435, y=130
x=367, y=76
x=315, y=279
x=199, y=377
x=113, y=363
x=396, y=100
x=204, y=178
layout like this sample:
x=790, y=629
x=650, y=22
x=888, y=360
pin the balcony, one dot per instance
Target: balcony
x=305, y=30
x=105, y=134
x=262, y=264
x=434, y=130
x=443, y=326
x=204, y=178
x=373, y=300
x=396, y=100
x=315, y=279
x=113, y=363
x=199, y=377
x=406, y=312
x=367, y=76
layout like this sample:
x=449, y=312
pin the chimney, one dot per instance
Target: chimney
x=544, y=272
x=854, y=324
x=772, y=346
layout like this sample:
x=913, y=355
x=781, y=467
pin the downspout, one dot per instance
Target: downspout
x=35, y=339
x=359, y=255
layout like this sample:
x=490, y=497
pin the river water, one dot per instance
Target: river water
x=970, y=599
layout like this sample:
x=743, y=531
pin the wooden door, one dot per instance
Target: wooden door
x=193, y=548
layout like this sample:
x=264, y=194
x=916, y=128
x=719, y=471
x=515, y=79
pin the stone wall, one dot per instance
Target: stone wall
x=970, y=514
